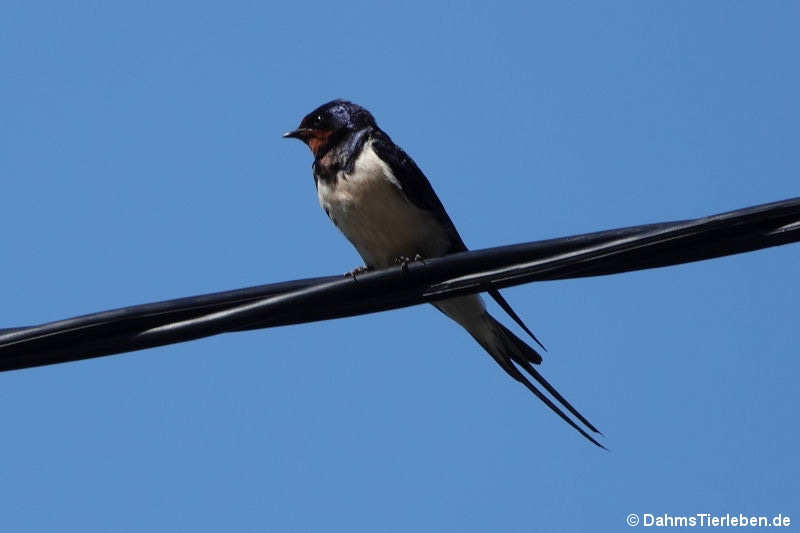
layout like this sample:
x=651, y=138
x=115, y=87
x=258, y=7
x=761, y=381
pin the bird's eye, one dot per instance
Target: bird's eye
x=319, y=119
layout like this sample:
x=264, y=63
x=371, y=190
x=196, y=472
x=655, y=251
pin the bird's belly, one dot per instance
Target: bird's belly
x=379, y=221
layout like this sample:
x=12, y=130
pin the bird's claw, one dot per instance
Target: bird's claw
x=404, y=260
x=356, y=271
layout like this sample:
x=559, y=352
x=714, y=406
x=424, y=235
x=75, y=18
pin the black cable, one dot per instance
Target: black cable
x=308, y=300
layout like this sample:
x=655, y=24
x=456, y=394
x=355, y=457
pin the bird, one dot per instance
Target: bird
x=378, y=197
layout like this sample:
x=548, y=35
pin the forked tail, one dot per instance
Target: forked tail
x=512, y=353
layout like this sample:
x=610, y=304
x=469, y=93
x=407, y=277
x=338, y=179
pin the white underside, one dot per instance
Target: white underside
x=369, y=206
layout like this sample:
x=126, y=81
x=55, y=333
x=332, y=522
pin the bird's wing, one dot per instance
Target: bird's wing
x=419, y=192
x=415, y=185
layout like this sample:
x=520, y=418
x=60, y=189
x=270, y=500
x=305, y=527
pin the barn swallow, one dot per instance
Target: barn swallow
x=382, y=202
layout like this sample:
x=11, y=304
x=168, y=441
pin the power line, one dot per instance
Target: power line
x=308, y=300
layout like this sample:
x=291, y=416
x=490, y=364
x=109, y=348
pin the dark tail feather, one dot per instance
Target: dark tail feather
x=555, y=394
x=513, y=346
x=495, y=294
x=519, y=352
x=513, y=350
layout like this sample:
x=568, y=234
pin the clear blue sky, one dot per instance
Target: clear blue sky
x=141, y=160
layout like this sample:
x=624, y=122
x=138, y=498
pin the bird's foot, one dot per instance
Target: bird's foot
x=404, y=260
x=356, y=271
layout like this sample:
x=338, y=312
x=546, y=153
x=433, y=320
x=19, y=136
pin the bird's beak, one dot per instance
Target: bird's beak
x=300, y=133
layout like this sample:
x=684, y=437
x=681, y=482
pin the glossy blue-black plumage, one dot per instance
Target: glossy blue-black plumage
x=345, y=128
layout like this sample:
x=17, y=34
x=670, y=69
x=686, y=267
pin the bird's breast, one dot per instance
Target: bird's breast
x=369, y=206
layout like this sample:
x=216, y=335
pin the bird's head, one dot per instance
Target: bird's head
x=329, y=123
